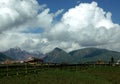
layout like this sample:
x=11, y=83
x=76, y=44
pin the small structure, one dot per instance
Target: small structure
x=100, y=61
x=7, y=61
x=33, y=60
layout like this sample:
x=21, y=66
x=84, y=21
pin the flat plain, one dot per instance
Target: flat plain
x=60, y=75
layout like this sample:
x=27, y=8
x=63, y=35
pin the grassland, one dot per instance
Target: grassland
x=64, y=75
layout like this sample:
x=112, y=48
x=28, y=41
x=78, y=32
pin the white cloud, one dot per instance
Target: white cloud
x=85, y=14
x=85, y=25
x=16, y=12
x=58, y=12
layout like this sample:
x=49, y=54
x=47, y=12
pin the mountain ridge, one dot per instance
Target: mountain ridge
x=58, y=55
x=86, y=55
x=18, y=54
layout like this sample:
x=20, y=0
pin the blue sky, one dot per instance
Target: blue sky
x=108, y=6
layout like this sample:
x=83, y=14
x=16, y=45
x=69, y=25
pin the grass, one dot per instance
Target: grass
x=85, y=75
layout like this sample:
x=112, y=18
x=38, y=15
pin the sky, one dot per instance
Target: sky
x=42, y=25
x=107, y=5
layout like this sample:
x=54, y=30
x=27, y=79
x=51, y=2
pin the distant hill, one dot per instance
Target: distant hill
x=81, y=55
x=18, y=54
x=58, y=56
x=4, y=57
x=93, y=54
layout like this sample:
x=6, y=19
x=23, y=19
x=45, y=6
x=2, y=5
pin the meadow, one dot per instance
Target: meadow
x=59, y=75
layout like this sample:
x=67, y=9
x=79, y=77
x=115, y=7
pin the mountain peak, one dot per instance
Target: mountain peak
x=15, y=49
x=57, y=56
x=19, y=54
x=57, y=49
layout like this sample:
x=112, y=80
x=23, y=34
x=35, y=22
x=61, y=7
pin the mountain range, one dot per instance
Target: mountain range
x=60, y=56
x=94, y=54
x=18, y=54
x=81, y=55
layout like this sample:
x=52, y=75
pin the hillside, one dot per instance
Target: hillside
x=58, y=56
x=93, y=54
x=3, y=57
x=81, y=55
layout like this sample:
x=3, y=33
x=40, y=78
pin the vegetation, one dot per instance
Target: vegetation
x=81, y=56
x=58, y=56
x=94, y=54
x=60, y=75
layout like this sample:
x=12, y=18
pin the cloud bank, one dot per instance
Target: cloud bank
x=85, y=25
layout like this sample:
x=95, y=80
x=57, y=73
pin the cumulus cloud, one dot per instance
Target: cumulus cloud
x=85, y=25
x=85, y=14
x=16, y=12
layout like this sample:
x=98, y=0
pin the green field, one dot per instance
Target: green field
x=64, y=75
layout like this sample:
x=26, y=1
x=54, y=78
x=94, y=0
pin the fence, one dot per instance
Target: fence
x=24, y=69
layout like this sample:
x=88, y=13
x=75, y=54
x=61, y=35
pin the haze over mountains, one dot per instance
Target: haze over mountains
x=19, y=54
x=60, y=56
